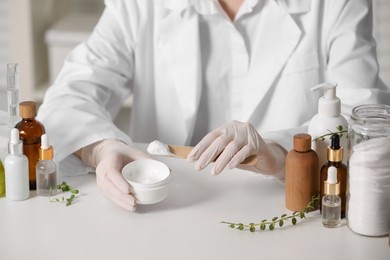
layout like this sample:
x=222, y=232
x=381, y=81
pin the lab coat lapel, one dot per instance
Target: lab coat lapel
x=277, y=39
x=178, y=41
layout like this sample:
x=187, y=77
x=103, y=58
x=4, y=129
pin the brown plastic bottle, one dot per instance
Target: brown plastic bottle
x=302, y=173
x=335, y=158
x=30, y=131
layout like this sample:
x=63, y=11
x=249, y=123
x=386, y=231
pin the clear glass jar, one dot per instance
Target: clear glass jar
x=368, y=191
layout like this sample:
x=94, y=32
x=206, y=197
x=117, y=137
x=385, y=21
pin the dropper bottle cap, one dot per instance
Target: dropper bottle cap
x=335, y=151
x=46, y=150
x=15, y=145
x=331, y=185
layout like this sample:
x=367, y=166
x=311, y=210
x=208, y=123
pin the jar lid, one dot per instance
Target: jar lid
x=27, y=109
x=302, y=142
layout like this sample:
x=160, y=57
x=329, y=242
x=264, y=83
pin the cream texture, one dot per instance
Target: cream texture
x=159, y=148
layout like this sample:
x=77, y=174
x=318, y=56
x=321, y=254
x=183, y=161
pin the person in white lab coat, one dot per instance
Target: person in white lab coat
x=243, y=67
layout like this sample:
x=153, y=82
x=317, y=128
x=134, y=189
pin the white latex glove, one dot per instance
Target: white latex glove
x=109, y=157
x=231, y=144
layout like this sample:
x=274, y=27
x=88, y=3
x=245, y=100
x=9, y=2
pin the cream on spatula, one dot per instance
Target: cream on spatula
x=159, y=148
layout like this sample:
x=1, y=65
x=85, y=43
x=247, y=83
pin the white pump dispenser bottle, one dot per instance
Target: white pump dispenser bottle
x=328, y=119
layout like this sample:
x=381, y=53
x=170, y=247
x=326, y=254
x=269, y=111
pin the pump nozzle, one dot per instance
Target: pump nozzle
x=329, y=89
x=329, y=104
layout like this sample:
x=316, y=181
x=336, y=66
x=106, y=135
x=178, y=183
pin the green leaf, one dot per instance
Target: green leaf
x=277, y=221
x=294, y=221
x=262, y=226
x=281, y=222
x=271, y=227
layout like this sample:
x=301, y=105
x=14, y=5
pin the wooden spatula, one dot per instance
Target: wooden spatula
x=183, y=151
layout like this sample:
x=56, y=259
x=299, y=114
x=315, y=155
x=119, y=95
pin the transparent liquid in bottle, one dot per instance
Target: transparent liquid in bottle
x=331, y=211
x=46, y=178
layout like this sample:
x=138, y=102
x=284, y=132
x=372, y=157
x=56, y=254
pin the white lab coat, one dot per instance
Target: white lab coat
x=150, y=48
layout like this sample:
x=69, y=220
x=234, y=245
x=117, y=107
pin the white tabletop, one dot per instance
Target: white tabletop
x=184, y=226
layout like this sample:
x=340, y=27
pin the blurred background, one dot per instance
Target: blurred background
x=38, y=34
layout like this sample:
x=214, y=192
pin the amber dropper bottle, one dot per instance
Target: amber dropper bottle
x=30, y=131
x=335, y=158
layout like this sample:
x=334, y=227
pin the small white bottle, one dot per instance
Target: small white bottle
x=331, y=202
x=328, y=119
x=16, y=169
x=46, y=169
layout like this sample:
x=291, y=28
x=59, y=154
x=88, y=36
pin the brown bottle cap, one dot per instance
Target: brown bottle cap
x=302, y=142
x=27, y=109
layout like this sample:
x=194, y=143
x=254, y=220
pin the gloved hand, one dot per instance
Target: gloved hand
x=109, y=157
x=231, y=144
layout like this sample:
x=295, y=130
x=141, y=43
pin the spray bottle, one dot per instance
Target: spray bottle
x=328, y=120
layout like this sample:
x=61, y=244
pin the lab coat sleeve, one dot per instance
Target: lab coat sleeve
x=96, y=78
x=351, y=54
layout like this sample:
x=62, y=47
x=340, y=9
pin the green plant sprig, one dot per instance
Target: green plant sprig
x=340, y=131
x=278, y=221
x=64, y=187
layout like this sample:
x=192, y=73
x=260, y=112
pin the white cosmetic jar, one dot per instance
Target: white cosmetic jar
x=149, y=180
